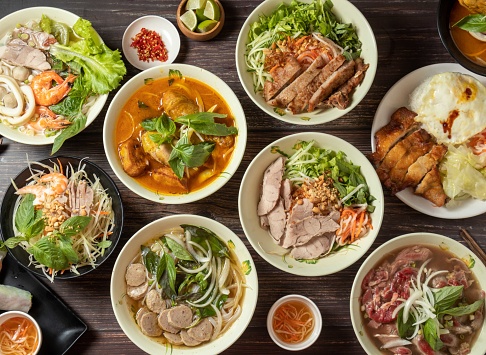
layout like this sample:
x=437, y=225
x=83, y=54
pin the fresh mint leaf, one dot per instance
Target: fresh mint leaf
x=77, y=126
x=203, y=122
x=445, y=297
x=74, y=225
x=431, y=334
x=48, y=254
x=66, y=246
x=178, y=250
x=472, y=23
x=464, y=310
x=12, y=242
x=24, y=216
x=36, y=228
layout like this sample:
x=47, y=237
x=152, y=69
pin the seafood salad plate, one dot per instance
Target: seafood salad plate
x=306, y=62
x=453, y=199
x=55, y=75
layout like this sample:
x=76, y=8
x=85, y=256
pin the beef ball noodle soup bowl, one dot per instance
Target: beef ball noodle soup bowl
x=420, y=293
x=184, y=284
x=175, y=133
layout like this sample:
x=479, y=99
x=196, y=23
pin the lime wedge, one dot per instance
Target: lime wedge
x=211, y=10
x=206, y=26
x=200, y=15
x=195, y=4
x=189, y=19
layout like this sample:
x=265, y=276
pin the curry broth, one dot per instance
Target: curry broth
x=147, y=103
x=471, y=47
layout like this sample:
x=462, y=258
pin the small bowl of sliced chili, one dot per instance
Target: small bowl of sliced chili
x=150, y=41
x=294, y=322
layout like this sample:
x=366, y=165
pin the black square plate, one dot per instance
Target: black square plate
x=60, y=326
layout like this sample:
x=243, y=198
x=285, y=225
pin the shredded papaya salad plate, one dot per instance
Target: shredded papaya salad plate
x=55, y=75
x=306, y=61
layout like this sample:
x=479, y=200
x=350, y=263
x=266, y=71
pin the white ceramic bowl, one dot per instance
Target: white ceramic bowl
x=9, y=22
x=316, y=331
x=167, y=31
x=261, y=240
x=11, y=314
x=132, y=247
x=347, y=13
x=159, y=72
x=411, y=239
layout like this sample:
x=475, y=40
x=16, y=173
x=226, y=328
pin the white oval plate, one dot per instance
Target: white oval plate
x=261, y=240
x=164, y=28
x=398, y=96
x=118, y=287
x=347, y=13
x=22, y=16
x=410, y=239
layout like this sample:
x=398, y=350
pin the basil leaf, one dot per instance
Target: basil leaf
x=170, y=270
x=24, y=215
x=150, y=260
x=203, y=122
x=199, y=234
x=36, y=228
x=178, y=250
x=405, y=330
x=74, y=225
x=48, y=254
x=431, y=335
x=65, y=244
x=189, y=278
x=77, y=126
x=166, y=127
x=149, y=124
x=160, y=269
x=176, y=164
x=473, y=23
x=446, y=296
x=205, y=312
x=463, y=310
x=14, y=241
x=194, y=156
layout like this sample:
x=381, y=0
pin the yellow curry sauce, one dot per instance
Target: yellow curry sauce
x=147, y=103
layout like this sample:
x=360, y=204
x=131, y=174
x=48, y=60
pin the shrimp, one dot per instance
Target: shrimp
x=45, y=92
x=49, y=184
x=47, y=120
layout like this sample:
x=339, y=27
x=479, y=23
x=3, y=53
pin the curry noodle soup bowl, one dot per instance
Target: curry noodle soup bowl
x=163, y=72
x=261, y=239
x=121, y=301
x=400, y=242
x=9, y=22
x=346, y=13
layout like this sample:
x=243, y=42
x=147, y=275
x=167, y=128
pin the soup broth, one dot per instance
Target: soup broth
x=395, y=279
x=147, y=103
x=469, y=46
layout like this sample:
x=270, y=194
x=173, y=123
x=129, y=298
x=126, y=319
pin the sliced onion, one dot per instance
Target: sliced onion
x=419, y=274
x=394, y=343
x=413, y=297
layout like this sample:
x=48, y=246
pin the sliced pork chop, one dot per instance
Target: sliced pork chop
x=281, y=76
x=431, y=188
x=402, y=123
x=316, y=247
x=422, y=165
x=272, y=181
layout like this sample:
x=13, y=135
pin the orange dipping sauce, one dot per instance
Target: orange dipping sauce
x=18, y=335
x=293, y=322
x=471, y=47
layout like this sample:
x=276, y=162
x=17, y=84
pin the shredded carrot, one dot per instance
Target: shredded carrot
x=351, y=225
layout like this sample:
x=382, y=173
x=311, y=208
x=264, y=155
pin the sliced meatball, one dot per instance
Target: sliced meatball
x=202, y=331
x=135, y=275
x=140, y=313
x=154, y=301
x=149, y=325
x=164, y=322
x=180, y=316
x=132, y=157
x=188, y=340
x=137, y=292
x=174, y=339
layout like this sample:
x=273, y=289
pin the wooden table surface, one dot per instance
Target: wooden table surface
x=407, y=39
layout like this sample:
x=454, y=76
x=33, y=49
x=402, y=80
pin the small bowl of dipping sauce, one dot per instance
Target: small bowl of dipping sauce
x=294, y=322
x=19, y=333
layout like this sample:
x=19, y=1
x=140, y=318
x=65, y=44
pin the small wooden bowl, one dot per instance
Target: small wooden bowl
x=196, y=36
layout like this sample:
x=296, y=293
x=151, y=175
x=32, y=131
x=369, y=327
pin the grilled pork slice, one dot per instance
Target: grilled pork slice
x=289, y=93
x=431, y=188
x=300, y=102
x=340, y=98
x=339, y=77
x=402, y=123
x=282, y=76
x=423, y=145
x=400, y=149
x=422, y=165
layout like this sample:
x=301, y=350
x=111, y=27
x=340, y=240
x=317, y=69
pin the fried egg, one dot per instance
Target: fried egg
x=450, y=106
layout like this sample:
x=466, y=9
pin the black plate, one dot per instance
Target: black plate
x=60, y=326
x=8, y=204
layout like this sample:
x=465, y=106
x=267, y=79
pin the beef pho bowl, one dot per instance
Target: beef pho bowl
x=311, y=204
x=184, y=284
x=420, y=293
x=175, y=133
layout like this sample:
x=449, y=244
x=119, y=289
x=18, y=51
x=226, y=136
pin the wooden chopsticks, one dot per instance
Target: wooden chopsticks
x=473, y=245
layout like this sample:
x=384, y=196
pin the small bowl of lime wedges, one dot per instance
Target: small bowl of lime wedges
x=200, y=20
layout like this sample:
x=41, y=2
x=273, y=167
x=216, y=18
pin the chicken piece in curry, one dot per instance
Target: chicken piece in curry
x=175, y=135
